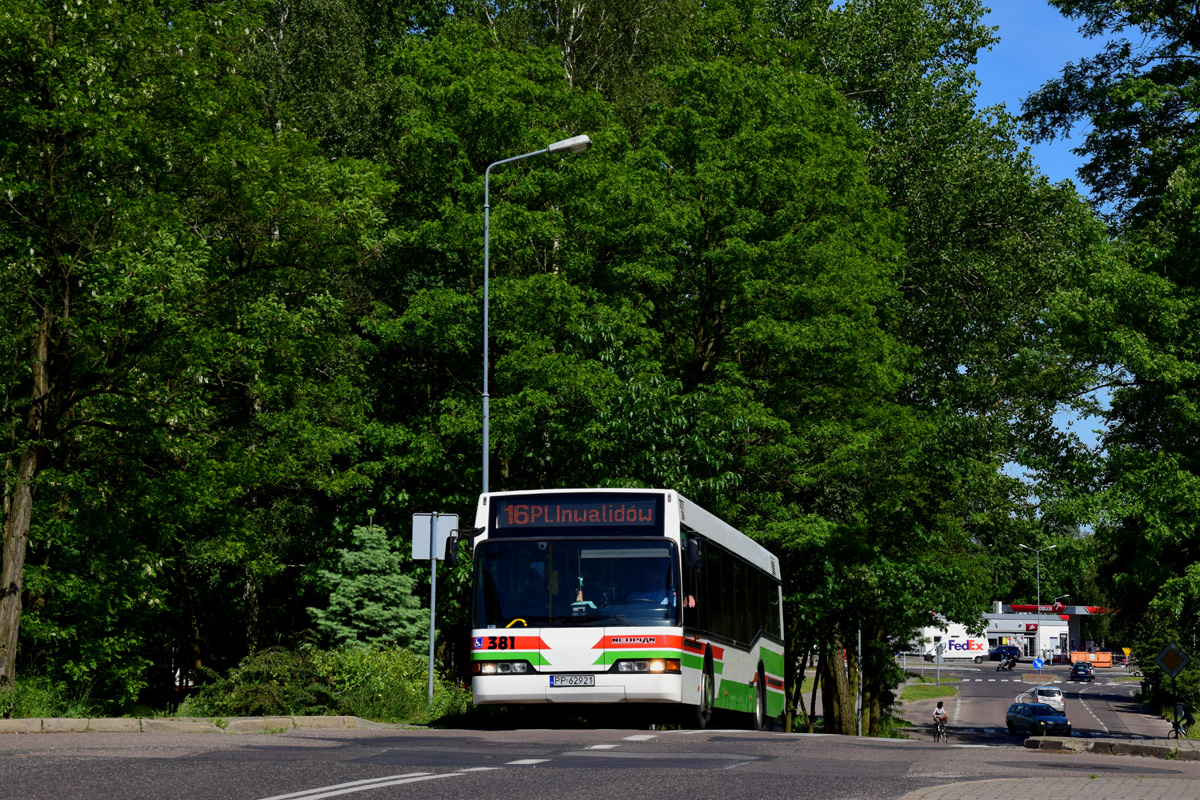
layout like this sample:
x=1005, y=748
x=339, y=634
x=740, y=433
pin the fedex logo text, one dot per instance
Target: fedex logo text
x=968, y=645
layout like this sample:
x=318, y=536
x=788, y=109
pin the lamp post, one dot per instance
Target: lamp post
x=1039, y=552
x=576, y=144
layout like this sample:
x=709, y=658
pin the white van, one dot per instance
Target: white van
x=956, y=643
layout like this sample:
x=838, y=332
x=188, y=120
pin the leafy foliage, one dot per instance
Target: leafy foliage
x=799, y=277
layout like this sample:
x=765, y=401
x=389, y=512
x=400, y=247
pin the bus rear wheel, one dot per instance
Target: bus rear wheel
x=761, y=721
x=699, y=716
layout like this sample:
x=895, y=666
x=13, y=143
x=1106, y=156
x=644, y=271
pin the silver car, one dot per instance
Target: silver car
x=1051, y=696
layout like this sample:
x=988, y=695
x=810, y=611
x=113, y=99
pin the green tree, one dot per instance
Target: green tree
x=158, y=242
x=1138, y=99
x=372, y=601
x=994, y=259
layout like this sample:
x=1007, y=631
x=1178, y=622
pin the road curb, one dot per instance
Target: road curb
x=1185, y=750
x=188, y=724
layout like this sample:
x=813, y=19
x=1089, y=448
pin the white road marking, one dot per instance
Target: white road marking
x=524, y=762
x=362, y=786
x=641, y=737
x=602, y=747
x=1088, y=708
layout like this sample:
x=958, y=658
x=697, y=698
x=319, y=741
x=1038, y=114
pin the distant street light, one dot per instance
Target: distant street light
x=1039, y=552
x=576, y=144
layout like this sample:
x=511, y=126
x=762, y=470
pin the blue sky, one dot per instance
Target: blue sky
x=1036, y=41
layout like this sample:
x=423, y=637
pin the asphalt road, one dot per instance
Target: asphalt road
x=1103, y=707
x=562, y=764
x=523, y=765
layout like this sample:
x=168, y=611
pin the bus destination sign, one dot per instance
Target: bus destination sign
x=577, y=515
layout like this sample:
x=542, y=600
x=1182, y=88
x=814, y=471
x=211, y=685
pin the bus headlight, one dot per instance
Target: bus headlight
x=656, y=665
x=500, y=667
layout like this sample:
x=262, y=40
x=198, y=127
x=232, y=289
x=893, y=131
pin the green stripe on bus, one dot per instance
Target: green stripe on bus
x=735, y=696
x=775, y=702
x=772, y=662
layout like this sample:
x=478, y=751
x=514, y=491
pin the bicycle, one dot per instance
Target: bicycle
x=1177, y=731
x=939, y=732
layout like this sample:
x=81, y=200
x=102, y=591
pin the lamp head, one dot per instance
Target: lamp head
x=576, y=144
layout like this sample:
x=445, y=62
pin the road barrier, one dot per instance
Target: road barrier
x=1096, y=659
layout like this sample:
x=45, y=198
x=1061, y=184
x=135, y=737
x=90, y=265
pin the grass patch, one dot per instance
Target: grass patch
x=924, y=679
x=38, y=697
x=926, y=691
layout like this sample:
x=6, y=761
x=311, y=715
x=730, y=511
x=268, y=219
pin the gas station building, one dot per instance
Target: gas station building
x=1050, y=631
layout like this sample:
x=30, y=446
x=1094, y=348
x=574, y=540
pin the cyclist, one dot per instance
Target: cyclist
x=940, y=718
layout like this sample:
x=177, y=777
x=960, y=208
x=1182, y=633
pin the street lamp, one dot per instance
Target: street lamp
x=576, y=144
x=1039, y=552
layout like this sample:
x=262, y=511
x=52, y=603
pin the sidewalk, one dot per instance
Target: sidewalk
x=1179, y=749
x=1065, y=788
x=187, y=724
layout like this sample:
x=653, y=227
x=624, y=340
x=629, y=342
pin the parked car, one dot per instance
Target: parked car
x=1082, y=671
x=1051, y=696
x=1037, y=719
x=1003, y=651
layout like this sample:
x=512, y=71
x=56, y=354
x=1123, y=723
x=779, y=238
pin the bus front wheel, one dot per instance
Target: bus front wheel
x=699, y=716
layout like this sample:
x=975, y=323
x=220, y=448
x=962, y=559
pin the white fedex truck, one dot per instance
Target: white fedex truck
x=956, y=643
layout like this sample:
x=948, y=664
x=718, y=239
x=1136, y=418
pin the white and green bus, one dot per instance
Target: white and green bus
x=586, y=596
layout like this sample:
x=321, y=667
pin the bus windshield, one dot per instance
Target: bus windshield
x=575, y=583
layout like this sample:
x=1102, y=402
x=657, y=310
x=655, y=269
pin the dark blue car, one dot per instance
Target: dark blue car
x=1036, y=719
x=1003, y=651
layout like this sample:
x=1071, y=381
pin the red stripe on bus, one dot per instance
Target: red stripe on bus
x=638, y=642
x=696, y=646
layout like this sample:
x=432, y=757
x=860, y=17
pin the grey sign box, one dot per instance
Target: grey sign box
x=421, y=522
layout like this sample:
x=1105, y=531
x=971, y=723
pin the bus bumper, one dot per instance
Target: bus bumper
x=609, y=688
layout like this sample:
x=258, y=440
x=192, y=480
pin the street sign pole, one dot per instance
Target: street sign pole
x=1173, y=660
x=430, y=533
x=432, y=593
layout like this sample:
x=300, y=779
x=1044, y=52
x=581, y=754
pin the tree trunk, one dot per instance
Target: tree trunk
x=794, y=680
x=837, y=696
x=250, y=596
x=194, y=649
x=18, y=506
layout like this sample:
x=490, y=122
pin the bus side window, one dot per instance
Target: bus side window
x=713, y=597
x=695, y=610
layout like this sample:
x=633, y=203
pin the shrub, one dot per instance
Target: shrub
x=390, y=684
x=268, y=683
x=384, y=684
